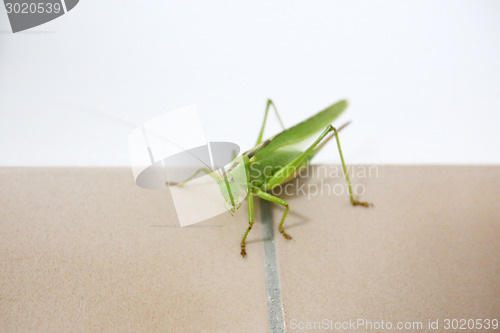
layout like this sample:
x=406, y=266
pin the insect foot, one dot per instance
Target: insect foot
x=287, y=236
x=362, y=203
x=243, y=251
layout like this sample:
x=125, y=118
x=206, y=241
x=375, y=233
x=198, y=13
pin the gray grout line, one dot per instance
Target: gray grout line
x=274, y=303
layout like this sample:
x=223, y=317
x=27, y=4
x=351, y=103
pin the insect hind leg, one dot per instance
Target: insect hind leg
x=268, y=105
x=288, y=170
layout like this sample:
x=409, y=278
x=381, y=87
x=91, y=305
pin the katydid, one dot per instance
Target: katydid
x=275, y=161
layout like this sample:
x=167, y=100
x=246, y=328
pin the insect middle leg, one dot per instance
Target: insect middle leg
x=272, y=198
x=268, y=197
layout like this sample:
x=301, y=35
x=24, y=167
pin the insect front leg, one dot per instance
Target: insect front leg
x=205, y=170
x=268, y=105
x=272, y=198
x=250, y=224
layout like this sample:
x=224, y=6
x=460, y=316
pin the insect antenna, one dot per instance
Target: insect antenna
x=128, y=124
x=343, y=126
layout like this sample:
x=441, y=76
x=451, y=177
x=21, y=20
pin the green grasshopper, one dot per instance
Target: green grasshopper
x=270, y=163
x=275, y=161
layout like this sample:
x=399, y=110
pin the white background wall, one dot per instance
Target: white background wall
x=423, y=77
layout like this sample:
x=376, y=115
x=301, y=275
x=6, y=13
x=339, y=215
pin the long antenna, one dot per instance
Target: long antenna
x=128, y=124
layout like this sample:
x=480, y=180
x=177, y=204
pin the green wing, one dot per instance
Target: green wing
x=299, y=132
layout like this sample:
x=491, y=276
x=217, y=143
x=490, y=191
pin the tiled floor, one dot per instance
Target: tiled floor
x=84, y=249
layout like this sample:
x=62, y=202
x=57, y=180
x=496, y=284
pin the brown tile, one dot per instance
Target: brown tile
x=87, y=250
x=84, y=249
x=428, y=249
